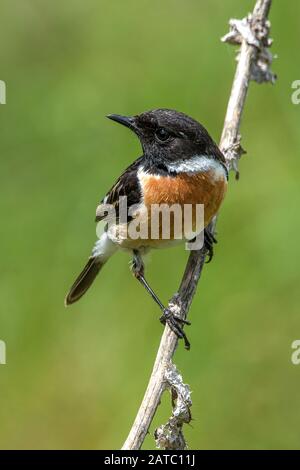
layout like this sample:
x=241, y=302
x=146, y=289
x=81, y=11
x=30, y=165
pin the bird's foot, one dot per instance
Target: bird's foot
x=175, y=323
x=209, y=241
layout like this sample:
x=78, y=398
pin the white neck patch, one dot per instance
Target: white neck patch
x=198, y=164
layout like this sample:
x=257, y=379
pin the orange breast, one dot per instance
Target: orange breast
x=202, y=188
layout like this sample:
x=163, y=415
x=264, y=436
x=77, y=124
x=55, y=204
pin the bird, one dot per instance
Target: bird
x=180, y=164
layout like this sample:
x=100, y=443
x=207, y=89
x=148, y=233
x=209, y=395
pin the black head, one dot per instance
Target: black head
x=169, y=135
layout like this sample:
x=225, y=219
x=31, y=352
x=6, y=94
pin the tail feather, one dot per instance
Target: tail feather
x=102, y=251
x=84, y=280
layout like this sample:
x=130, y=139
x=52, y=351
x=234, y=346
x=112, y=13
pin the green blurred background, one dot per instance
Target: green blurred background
x=75, y=377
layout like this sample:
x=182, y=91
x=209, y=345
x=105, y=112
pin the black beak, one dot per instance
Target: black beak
x=127, y=121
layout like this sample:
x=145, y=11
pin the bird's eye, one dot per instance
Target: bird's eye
x=162, y=135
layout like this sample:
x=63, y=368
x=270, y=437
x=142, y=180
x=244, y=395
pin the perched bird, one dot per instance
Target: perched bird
x=181, y=164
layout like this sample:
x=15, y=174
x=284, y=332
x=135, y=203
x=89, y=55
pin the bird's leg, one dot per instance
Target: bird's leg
x=175, y=323
x=138, y=270
x=209, y=241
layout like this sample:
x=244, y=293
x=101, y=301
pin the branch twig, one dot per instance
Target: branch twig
x=254, y=60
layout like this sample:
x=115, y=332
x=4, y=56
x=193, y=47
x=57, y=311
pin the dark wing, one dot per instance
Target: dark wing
x=127, y=185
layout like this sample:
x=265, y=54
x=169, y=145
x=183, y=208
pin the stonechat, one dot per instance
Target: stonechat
x=181, y=165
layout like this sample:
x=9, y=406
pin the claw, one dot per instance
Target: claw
x=174, y=322
x=209, y=241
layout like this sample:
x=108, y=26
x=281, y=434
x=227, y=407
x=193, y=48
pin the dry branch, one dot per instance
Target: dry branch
x=254, y=60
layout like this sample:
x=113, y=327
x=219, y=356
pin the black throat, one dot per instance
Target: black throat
x=157, y=167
